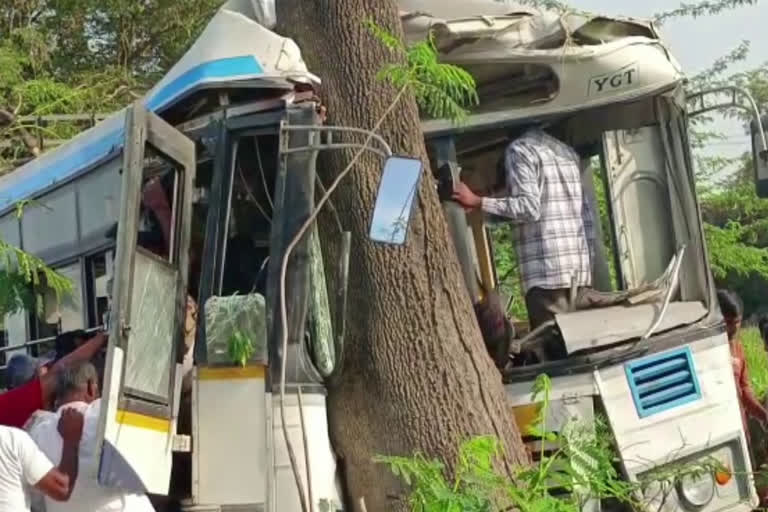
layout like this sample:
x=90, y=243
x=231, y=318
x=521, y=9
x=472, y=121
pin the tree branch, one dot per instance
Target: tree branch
x=8, y=118
x=702, y=8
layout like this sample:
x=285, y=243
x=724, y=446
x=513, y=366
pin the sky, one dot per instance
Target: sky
x=696, y=43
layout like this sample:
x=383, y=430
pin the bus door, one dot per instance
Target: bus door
x=141, y=381
x=639, y=203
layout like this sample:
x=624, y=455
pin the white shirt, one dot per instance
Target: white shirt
x=87, y=495
x=22, y=465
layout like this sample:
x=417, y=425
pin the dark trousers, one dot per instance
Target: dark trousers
x=543, y=304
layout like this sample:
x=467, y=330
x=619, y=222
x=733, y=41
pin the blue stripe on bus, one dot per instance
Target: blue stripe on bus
x=58, y=170
x=217, y=69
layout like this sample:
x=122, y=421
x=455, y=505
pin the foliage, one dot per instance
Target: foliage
x=701, y=8
x=735, y=222
x=20, y=274
x=23, y=275
x=582, y=467
x=240, y=348
x=443, y=91
x=83, y=57
x=757, y=361
x=75, y=57
x=730, y=255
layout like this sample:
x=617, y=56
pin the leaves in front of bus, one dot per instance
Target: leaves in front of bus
x=240, y=348
x=24, y=277
x=581, y=465
x=442, y=91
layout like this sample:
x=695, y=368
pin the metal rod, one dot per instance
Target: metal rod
x=40, y=341
x=338, y=145
x=733, y=90
x=331, y=129
x=672, y=285
x=305, y=441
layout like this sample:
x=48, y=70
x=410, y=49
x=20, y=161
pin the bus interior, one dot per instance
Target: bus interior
x=637, y=175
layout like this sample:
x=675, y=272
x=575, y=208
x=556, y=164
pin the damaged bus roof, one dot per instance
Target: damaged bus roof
x=529, y=63
x=233, y=50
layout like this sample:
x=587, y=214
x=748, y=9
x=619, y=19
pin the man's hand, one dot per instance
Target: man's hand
x=153, y=196
x=97, y=339
x=71, y=426
x=465, y=197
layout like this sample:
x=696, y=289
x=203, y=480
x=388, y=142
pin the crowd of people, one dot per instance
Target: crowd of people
x=49, y=447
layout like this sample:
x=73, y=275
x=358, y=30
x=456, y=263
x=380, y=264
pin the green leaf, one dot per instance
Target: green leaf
x=442, y=91
x=241, y=348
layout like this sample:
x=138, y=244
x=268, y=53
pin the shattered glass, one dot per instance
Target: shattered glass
x=226, y=316
x=153, y=319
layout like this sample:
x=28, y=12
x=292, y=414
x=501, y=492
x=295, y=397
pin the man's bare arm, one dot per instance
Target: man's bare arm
x=85, y=352
x=59, y=483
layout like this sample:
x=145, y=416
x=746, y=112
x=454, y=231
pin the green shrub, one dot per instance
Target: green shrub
x=582, y=467
x=757, y=361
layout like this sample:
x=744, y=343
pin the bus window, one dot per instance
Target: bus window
x=158, y=206
x=150, y=355
x=61, y=314
x=250, y=218
x=51, y=223
x=637, y=180
x=13, y=328
x=99, y=270
x=98, y=200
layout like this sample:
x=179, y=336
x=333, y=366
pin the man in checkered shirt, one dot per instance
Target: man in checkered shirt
x=554, y=221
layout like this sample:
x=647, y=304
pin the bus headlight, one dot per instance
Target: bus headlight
x=697, y=490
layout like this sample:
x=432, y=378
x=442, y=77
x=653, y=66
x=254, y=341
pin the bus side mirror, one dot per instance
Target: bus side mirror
x=394, y=200
x=760, y=158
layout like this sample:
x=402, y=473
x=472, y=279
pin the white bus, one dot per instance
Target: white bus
x=231, y=133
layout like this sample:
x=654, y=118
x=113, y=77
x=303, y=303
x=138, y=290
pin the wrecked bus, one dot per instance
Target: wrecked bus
x=658, y=368
x=232, y=132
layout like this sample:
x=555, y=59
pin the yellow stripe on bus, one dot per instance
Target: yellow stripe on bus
x=231, y=373
x=525, y=416
x=143, y=421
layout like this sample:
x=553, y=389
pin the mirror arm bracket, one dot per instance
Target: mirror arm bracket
x=752, y=108
x=330, y=130
x=321, y=147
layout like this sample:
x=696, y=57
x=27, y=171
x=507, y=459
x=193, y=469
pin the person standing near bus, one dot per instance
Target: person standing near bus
x=22, y=369
x=762, y=325
x=77, y=389
x=553, y=220
x=732, y=309
x=24, y=465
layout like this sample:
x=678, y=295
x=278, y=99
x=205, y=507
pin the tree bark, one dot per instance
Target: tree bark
x=415, y=376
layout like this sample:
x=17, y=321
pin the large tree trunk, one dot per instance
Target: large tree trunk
x=415, y=375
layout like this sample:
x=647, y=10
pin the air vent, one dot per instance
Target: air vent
x=663, y=381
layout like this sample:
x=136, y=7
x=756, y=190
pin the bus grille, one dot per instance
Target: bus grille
x=663, y=381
